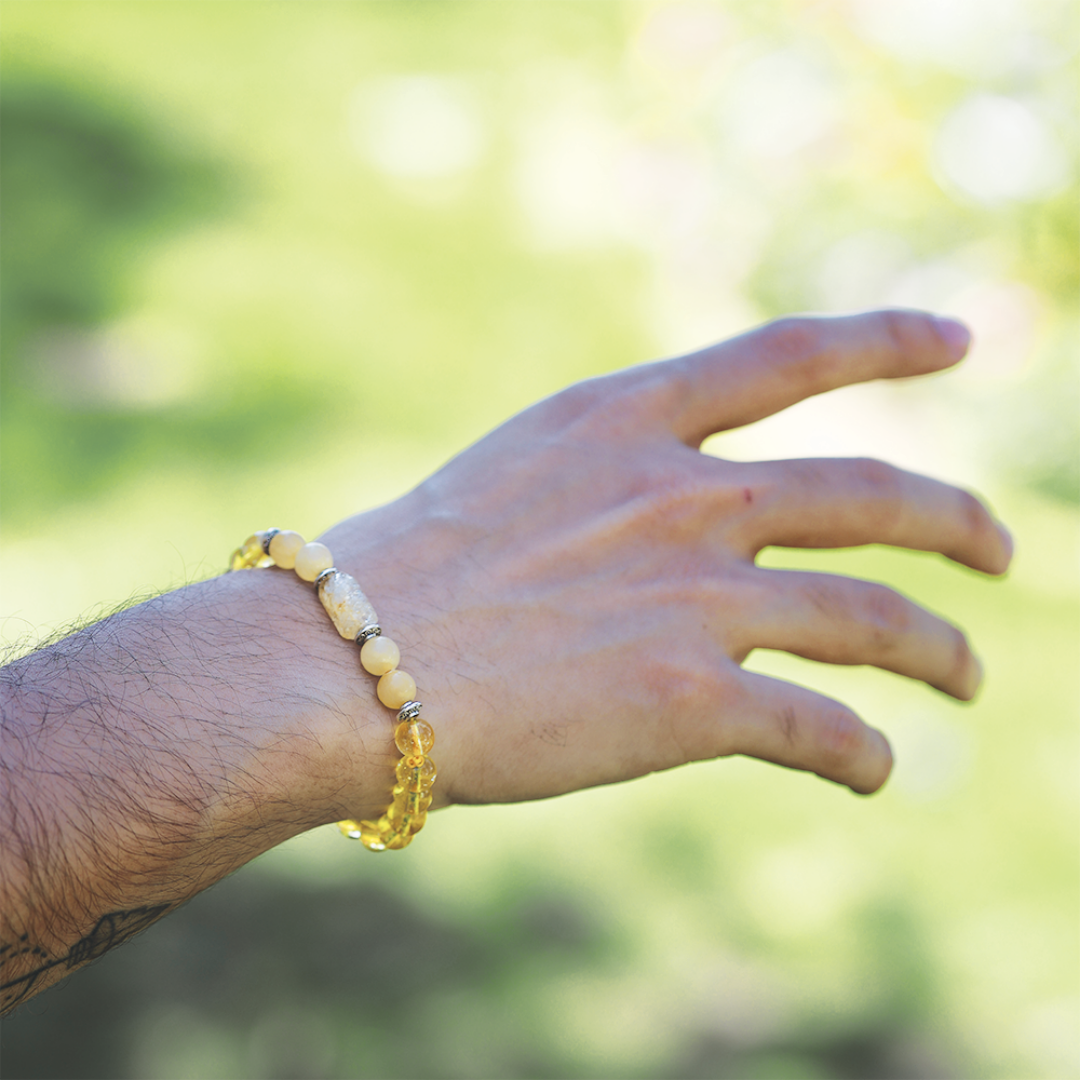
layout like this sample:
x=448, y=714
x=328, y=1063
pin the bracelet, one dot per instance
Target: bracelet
x=355, y=619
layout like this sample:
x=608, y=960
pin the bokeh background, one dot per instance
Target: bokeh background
x=274, y=262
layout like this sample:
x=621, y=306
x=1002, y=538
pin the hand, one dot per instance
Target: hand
x=575, y=593
x=575, y=596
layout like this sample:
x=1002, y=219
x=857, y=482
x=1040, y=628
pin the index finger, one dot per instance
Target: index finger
x=766, y=370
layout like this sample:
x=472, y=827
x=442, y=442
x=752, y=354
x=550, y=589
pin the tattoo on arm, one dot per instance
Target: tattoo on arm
x=111, y=930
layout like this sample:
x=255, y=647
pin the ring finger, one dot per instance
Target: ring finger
x=840, y=620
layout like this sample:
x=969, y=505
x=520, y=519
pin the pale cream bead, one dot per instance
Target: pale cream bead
x=312, y=559
x=284, y=546
x=395, y=688
x=379, y=655
x=346, y=604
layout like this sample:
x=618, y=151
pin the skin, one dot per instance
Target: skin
x=575, y=595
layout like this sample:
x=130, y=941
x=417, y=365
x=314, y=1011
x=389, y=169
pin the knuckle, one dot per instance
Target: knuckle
x=671, y=500
x=900, y=330
x=687, y=692
x=973, y=515
x=801, y=346
x=793, y=338
x=879, y=476
x=840, y=736
x=888, y=612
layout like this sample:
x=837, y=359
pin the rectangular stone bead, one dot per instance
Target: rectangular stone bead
x=346, y=604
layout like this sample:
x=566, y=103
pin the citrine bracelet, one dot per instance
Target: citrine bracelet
x=355, y=619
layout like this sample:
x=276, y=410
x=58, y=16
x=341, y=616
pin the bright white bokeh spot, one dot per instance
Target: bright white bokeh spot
x=779, y=104
x=994, y=149
x=564, y=177
x=971, y=36
x=417, y=126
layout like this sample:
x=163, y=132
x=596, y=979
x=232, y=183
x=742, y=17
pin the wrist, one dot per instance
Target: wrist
x=325, y=745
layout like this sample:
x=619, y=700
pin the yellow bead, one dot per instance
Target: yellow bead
x=395, y=688
x=250, y=554
x=416, y=773
x=284, y=546
x=379, y=655
x=393, y=837
x=422, y=799
x=371, y=836
x=414, y=737
x=312, y=559
x=350, y=828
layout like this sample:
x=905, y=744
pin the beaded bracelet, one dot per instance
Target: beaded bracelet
x=355, y=619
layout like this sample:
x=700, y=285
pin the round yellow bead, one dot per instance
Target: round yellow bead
x=395, y=688
x=414, y=737
x=284, y=546
x=350, y=828
x=416, y=773
x=419, y=799
x=371, y=836
x=378, y=655
x=312, y=559
x=393, y=837
x=250, y=554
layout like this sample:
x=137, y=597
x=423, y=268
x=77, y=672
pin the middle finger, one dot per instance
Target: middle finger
x=825, y=502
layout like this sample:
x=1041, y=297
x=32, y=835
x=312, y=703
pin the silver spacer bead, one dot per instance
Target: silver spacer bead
x=326, y=573
x=270, y=534
x=371, y=631
x=409, y=711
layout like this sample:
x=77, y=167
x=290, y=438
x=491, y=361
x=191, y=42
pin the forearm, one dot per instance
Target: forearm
x=148, y=756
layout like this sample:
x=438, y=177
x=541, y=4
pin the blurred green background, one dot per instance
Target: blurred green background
x=274, y=262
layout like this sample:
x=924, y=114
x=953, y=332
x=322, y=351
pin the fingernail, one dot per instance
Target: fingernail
x=974, y=679
x=956, y=335
x=1007, y=540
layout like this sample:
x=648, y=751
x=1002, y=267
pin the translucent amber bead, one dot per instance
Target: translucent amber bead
x=414, y=737
x=250, y=554
x=379, y=655
x=416, y=774
x=392, y=836
x=350, y=828
x=422, y=797
x=395, y=688
x=349, y=609
x=283, y=548
x=312, y=559
x=405, y=816
x=371, y=836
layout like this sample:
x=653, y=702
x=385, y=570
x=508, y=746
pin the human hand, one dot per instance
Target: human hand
x=576, y=593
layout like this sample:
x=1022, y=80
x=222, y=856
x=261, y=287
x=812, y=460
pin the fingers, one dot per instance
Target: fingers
x=838, y=620
x=849, y=502
x=777, y=365
x=790, y=725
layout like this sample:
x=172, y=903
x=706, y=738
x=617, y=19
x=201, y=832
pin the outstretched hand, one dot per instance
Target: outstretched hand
x=575, y=594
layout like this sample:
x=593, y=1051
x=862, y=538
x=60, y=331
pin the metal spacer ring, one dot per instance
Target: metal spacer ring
x=409, y=711
x=372, y=630
x=268, y=535
x=326, y=573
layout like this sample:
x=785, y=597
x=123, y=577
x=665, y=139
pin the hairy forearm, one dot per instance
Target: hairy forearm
x=147, y=756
